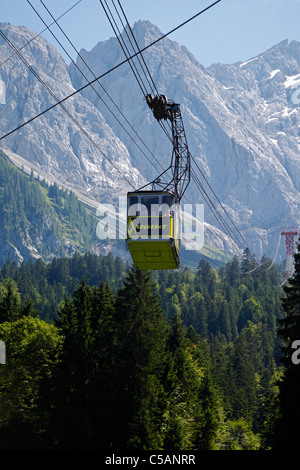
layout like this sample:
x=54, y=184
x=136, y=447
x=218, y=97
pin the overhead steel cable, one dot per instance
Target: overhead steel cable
x=223, y=224
x=141, y=55
x=126, y=51
x=32, y=70
x=197, y=181
x=124, y=47
x=221, y=205
x=66, y=52
x=136, y=49
x=238, y=238
x=144, y=67
x=37, y=35
x=97, y=78
x=146, y=71
x=229, y=230
x=106, y=73
x=103, y=89
x=59, y=102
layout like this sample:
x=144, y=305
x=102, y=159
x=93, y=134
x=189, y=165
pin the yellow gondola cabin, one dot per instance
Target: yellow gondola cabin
x=153, y=229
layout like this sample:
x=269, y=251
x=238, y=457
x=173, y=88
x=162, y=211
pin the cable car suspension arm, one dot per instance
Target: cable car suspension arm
x=180, y=166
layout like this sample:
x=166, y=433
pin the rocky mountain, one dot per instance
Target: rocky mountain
x=55, y=143
x=241, y=121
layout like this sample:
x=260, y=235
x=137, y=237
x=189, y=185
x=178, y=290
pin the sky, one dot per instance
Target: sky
x=231, y=31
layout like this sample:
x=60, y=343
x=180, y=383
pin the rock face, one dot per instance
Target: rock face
x=55, y=142
x=241, y=121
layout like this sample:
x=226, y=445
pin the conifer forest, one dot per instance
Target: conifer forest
x=100, y=355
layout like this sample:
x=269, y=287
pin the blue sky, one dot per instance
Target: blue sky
x=232, y=30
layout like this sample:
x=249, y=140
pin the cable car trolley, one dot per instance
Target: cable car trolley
x=153, y=229
x=153, y=211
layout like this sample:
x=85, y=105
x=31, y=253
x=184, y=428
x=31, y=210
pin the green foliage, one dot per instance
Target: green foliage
x=142, y=364
x=237, y=435
x=33, y=350
x=31, y=211
x=174, y=360
x=85, y=377
x=271, y=404
x=10, y=303
x=46, y=285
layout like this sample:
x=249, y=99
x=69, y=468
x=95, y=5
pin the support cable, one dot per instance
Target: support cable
x=74, y=120
x=145, y=64
x=124, y=47
x=204, y=193
x=128, y=58
x=222, y=206
x=55, y=37
x=225, y=227
x=60, y=102
x=79, y=90
x=37, y=35
x=140, y=56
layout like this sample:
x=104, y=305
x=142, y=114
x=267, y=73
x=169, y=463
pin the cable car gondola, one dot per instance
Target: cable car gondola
x=153, y=229
x=153, y=215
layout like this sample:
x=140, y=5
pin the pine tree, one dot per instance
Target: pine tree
x=193, y=410
x=248, y=263
x=141, y=367
x=74, y=374
x=10, y=302
x=178, y=416
x=103, y=387
x=243, y=386
x=232, y=271
x=209, y=421
x=287, y=430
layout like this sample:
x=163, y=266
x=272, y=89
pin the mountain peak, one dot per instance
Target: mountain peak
x=241, y=123
x=145, y=32
x=54, y=142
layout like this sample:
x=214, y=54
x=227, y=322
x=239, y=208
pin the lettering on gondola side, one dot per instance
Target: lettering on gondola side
x=157, y=222
x=154, y=223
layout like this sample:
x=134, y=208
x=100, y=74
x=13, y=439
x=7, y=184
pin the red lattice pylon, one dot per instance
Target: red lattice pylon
x=290, y=239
